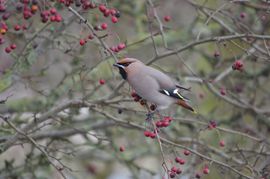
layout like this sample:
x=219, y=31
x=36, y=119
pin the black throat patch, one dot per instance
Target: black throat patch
x=123, y=73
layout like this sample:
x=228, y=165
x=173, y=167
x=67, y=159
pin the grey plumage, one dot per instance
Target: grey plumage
x=151, y=84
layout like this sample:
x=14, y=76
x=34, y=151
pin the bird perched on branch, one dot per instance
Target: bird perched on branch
x=151, y=84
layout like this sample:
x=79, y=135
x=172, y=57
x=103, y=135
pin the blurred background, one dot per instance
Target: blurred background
x=65, y=111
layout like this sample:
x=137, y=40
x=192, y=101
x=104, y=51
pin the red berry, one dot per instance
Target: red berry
x=168, y=118
x=243, y=15
x=106, y=13
x=102, y=8
x=92, y=5
x=114, y=49
x=173, y=169
x=137, y=98
x=45, y=19
x=153, y=107
x=182, y=161
x=167, y=18
x=121, y=46
x=197, y=175
x=133, y=94
x=147, y=133
x=216, y=54
x=121, y=148
x=45, y=13
x=142, y=102
x=222, y=91
x=52, y=18
x=172, y=174
x=177, y=159
x=152, y=135
x=7, y=49
x=90, y=37
x=17, y=27
x=58, y=18
x=27, y=14
x=113, y=12
x=178, y=171
x=6, y=16
x=13, y=46
x=53, y=11
x=159, y=124
x=165, y=123
x=101, y=82
x=2, y=8
x=238, y=65
x=114, y=19
x=82, y=42
x=104, y=26
x=212, y=124
x=206, y=170
x=25, y=1
x=222, y=143
x=186, y=152
x=2, y=40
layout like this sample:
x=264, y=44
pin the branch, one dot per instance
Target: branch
x=59, y=170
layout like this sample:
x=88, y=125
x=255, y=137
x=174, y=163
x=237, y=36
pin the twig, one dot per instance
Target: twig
x=36, y=145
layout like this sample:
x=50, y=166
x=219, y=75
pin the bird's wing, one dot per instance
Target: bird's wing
x=166, y=84
x=174, y=93
x=164, y=81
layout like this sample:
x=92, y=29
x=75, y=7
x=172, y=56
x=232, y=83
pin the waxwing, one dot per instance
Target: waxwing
x=151, y=84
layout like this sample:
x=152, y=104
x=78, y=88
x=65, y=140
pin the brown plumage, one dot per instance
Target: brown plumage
x=151, y=84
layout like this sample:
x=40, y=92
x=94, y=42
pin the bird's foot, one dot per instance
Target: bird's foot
x=150, y=116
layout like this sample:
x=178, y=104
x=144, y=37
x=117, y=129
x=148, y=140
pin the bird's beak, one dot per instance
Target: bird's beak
x=118, y=65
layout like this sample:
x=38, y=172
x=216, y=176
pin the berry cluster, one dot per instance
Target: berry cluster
x=176, y=171
x=107, y=12
x=24, y=9
x=118, y=48
x=28, y=8
x=137, y=98
x=150, y=134
x=51, y=14
x=10, y=48
x=165, y=122
x=180, y=160
x=83, y=41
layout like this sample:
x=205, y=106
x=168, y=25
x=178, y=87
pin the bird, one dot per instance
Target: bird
x=151, y=84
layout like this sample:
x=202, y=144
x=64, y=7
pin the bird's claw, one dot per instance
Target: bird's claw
x=149, y=116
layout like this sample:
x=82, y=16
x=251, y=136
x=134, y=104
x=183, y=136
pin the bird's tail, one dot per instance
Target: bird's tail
x=185, y=105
